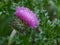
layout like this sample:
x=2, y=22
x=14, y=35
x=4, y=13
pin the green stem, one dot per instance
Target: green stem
x=11, y=37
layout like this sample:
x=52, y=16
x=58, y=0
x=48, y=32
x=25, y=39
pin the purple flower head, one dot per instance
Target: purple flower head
x=27, y=16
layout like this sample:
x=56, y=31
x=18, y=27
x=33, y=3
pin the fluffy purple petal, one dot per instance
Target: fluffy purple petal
x=27, y=16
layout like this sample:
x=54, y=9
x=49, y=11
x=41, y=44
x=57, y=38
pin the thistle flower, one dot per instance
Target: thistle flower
x=27, y=16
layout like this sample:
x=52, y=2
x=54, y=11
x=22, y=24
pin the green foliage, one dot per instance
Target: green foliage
x=48, y=30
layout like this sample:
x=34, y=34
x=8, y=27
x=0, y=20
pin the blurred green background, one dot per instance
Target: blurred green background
x=48, y=30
